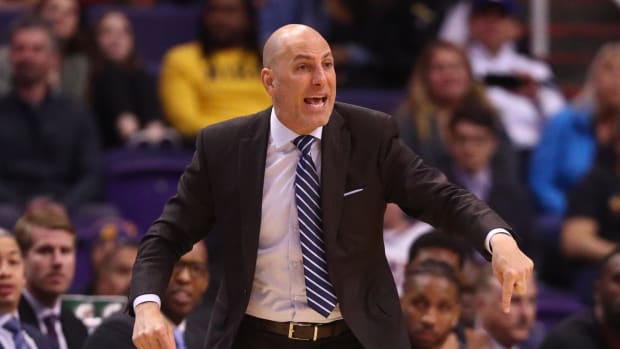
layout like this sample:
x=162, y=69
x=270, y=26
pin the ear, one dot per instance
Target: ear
x=268, y=80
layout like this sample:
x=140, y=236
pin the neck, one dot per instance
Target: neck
x=33, y=94
x=44, y=298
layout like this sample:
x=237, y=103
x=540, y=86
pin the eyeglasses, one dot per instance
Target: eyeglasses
x=195, y=269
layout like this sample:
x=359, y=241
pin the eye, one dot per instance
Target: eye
x=302, y=67
x=328, y=64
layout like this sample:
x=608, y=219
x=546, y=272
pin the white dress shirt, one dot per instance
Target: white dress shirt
x=6, y=337
x=42, y=312
x=279, y=289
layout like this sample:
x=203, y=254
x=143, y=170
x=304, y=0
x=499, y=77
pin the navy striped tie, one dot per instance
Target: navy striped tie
x=319, y=290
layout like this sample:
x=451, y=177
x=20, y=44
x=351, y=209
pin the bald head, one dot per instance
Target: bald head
x=282, y=38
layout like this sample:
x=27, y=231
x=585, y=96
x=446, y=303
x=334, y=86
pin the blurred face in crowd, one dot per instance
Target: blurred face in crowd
x=299, y=76
x=431, y=309
x=607, y=82
x=472, y=146
x=492, y=27
x=12, y=279
x=227, y=21
x=115, y=37
x=50, y=263
x=448, y=76
x=512, y=328
x=63, y=16
x=608, y=294
x=189, y=280
x=32, y=56
x=115, y=273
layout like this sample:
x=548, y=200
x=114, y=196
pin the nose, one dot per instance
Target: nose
x=183, y=275
x=429, y=318
x=319, y=77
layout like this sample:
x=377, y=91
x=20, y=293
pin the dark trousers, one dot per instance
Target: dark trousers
x=251, y=338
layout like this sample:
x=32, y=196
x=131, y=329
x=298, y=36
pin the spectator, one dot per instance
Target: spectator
x=49, y=143
x=114, y=273
x=398, y=233
x=431, y=306
x=591, y=228
x=189, y=280
x=218, y=76
x=474, y=136
x=517, y=329
x=599, y=327
x=441, y=83
x=520, y=87
x=123, y=95
x=69, y=74
x=567, y=148
x=47, y=240
x=13, y=332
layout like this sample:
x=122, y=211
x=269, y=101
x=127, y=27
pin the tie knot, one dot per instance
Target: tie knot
x=13, y=326
x=304, y=143
x=50, y=320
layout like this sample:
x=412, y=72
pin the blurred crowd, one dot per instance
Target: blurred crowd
x=75, y=88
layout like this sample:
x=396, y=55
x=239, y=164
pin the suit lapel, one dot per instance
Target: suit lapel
x=252, y=154
x=335, y=147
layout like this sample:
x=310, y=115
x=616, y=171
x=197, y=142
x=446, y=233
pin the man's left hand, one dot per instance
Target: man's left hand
x=511, y=267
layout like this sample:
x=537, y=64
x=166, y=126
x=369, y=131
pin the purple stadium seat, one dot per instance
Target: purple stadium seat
x=140, y=181
x=386, y=101
x=555, y=305
x=6, y=18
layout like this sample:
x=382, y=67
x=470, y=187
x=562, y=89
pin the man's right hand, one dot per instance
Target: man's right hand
x=152, y=330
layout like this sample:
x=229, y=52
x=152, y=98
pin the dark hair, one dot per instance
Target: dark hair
x=76, y=43
x=477, y=114
x=250, y=39
x=44, y=213
x=33, y=21
x=97, y=56
x=436, y=239
x=435, y=268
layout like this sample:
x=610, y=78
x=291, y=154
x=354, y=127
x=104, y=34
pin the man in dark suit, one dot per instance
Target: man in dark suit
x=13, y=332
x=47, y=241
x=189, y=280
x=297, y=194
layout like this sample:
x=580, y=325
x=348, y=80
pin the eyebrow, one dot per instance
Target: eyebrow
x=303, y=56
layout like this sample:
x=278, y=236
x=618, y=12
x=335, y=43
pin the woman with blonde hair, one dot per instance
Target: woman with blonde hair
x=568, y=146
x=442, y=81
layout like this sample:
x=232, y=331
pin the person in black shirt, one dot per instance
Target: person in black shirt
x=597, y=328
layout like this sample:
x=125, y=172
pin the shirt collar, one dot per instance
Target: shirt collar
x=282, y=135
x=6, y=317
x=39, y=309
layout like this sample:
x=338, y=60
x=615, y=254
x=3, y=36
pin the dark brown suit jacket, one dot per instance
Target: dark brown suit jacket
x=221, y=193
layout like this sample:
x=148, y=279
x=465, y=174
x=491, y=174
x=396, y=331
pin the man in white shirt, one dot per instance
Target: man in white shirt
x=297, y=192
x=13, y=333
x=47, y=240
x=520, y=87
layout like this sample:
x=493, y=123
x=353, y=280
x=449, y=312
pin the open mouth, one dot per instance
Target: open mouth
x=316, y=101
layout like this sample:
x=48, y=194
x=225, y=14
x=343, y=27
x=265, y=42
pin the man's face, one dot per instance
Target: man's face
x=431, y=308
x=226, y=21
x=12, y=279
x=302, y=81
x=493, y=27
x=50, y=262
x=472, y=146
x=32, y=56
x=608, y=293
x=512, y=328
x=116, y=274
x=188, y=282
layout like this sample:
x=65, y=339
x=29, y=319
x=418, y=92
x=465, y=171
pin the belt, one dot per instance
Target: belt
x=298, y=330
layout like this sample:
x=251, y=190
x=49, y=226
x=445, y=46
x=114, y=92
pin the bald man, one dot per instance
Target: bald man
x=297, y=194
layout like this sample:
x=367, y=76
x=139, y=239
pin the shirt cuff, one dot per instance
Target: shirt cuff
x=487, y=241
x=146, y=298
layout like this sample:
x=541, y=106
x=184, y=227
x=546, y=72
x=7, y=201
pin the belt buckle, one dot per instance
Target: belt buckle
x=291, y=331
